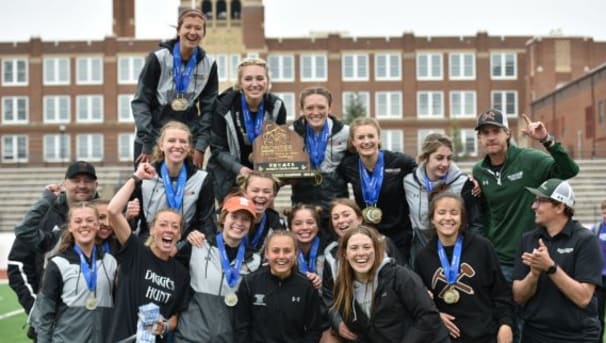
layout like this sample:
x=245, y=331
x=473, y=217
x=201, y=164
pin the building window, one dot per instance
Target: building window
x=89, y=108
x=56, y=109
x=14, y=148
x=463, y=104
x=125, y=146
x=462, y=66
x=125, y=111
x=429, y=66
x=503, y=65
x=234, y=60
x=388, y=67
x=356, y=102
x=422, y=134
x=56, y=148
x=289, y=103
x=506, y=102
x=15, y=110
x=281, y=67
x=56, y=71
x=313, y=68
x=430, y=104
x=468, y=143
x=601, y=111
x=90, y=147
x=129, y=68
x=354, y=67
x=388, y=105
x=14, y=72
x=392, y=140
x=89, y=70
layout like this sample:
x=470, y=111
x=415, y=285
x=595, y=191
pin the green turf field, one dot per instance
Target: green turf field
x=11, y=324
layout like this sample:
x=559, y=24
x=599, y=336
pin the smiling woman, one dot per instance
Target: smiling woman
x=238, y=118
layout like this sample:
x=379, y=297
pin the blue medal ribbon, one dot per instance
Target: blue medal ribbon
x=451, y=272
x=371, y=184
x=253, y=127
x=174, y=195
x=181, y=77
x=429, y=184
x=316, y=145
x=309, y=266
x=232, y=274
x=106, y=247
x=254, y=244
x=90, y=274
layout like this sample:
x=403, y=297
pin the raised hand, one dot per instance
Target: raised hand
x=534, y=129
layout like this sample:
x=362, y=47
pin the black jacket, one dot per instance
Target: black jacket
x=36, y=234
x=333, y=186
x=273, y=310
x=402, y=311
x=155, y=91
x=478, y=315
x=226, y=141
x=392, y=200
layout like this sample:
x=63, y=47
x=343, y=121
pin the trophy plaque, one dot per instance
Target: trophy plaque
x=280, y=152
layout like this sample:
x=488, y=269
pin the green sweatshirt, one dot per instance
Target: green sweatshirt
x=507, y=203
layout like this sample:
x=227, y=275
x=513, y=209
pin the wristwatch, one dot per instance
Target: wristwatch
x=552, y=269
x=136, y=178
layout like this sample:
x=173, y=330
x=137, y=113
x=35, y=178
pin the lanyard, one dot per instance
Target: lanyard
x=90, y=274
x=181, y=77
x=253, y=129
x=232, y=274
x=309, y=266
x=316, y=145
x=254, y=244
x=429, y=184
x=174, y=196
x=451, y=271
x=371, y=184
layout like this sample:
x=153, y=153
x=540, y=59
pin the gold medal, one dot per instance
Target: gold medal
x=91, y=302
x=318, y=179
x=372, y=215
x=231, y=299
x=179, y=104
x=451, y=296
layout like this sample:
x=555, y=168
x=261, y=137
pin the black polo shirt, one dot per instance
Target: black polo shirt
x=549, y=316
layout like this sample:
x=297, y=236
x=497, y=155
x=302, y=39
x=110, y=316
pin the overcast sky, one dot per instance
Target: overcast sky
x=91, y=19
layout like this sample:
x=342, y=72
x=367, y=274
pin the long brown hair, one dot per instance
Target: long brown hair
x=158, y=155
x=67, y=238
x=343, y=291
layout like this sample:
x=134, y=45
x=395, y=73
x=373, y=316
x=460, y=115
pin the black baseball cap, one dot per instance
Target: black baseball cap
x=80, y=167
x=492, y=117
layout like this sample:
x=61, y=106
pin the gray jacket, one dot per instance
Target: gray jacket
x=207, y=318
x=59, y=313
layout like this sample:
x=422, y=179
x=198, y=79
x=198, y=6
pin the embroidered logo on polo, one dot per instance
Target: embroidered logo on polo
x=466, y=271
x=516, y=176
x=564, y=250
x=259, y=300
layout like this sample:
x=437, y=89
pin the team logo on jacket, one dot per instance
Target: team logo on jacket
x=516, y=176
x=466, y=271
x=259, y=300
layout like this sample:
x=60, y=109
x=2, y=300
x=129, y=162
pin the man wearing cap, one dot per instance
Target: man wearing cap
x=557, y=269
x=503, y=175
x=37, y=233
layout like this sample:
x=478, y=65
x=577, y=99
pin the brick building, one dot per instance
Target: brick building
x=69, y=100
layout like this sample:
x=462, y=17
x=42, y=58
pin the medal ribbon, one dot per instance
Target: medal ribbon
x=451, y=272
x=371, y=184
x=316, y=145
x=106, y=247
x=174, y=197
x=309, y=266
x=232, y=274
x=90, y=274
x=429, y=184
x=254, y=244
x=253, y=130
x=181, y=77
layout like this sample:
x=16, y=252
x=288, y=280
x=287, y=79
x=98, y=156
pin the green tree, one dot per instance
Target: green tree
x=354, y=108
